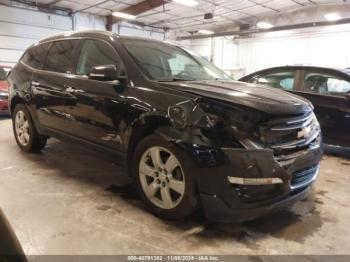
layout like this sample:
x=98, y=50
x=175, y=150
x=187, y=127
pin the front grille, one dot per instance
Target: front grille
x=304, y=177
x=289, y=137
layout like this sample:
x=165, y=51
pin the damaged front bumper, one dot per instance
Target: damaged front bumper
x=242, y=184
x=246, y=163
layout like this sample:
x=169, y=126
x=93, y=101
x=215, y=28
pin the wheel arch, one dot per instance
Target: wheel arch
x=15, y=101
x=144, y=126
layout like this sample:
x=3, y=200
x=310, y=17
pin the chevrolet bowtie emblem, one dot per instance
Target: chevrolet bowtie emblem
x=304, y=132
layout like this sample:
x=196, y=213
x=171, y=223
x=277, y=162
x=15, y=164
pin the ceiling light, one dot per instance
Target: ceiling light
x=205, y=32
x=332, y=17
x=264, y=25
x=123, y=15
x=186, y=2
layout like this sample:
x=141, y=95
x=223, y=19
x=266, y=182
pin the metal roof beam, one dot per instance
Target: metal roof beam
x=136, y=9
x=51, y=3
x=274, y=29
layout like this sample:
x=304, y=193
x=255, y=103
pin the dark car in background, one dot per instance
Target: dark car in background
x=187, y=134
x=4, y=70
x=328, y=89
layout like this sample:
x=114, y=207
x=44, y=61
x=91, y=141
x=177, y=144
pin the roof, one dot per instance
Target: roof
x=77, y=34
x=93, y=33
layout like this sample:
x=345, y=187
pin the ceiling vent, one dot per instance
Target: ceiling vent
x=208, y=16
x=244, y=27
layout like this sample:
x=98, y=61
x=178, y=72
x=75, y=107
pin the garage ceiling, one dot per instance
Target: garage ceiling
x=176, y=16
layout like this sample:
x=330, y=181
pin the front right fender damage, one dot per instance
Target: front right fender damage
x=237, y=181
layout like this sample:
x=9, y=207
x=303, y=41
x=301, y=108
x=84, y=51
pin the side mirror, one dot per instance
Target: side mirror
x=105, y=73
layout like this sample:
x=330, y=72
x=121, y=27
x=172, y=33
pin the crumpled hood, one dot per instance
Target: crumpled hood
x=3, y=85
x=266, y=99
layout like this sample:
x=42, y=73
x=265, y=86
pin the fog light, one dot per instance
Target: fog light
x=254, y=181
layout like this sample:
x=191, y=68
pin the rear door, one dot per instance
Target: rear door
x=99, y=106
x=50, y=84
x=327, y=90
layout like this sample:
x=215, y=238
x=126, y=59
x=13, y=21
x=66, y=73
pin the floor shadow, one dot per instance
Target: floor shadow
x=4, y=117
x=90, y=167
x=284, y=224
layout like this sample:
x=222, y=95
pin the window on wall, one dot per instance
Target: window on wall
x=325, y=84
x=284, y=80
x=35, y=56
x=60, y=56
x=96, y=53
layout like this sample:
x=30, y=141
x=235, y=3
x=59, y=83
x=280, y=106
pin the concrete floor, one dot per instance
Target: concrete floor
x=68, y=200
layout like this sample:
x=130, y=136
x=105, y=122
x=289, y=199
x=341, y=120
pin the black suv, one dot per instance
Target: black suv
x=187, y=134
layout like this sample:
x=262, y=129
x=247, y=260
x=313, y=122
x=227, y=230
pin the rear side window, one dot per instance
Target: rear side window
x=60, y=56
x=35, y=56
x=96, y=53
x=283, y=80
x=325, y=84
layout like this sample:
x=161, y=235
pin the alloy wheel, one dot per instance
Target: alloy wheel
x=162, y=178
x=22, y=128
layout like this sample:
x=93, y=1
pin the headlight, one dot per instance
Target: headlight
x=190, y=113
x=177, y=115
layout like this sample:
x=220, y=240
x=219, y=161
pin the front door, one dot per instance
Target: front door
x=328, y=93
x=97, y=113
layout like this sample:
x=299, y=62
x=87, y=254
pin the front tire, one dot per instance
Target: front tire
x=26, y=135
x=163, y=179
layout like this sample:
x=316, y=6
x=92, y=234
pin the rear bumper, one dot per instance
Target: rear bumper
x=216, y=209
x=4, y=107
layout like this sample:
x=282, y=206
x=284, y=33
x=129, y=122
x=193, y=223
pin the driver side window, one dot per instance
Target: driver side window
x=96, y=53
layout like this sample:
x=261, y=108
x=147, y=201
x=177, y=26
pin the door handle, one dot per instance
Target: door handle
x=35, y=83
x=70, y=89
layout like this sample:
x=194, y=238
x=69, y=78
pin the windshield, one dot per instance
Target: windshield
x=166, y=62
x=3, y=73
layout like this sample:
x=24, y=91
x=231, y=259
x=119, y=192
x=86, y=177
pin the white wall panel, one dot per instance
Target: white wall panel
x=202, y=47
x=130, y=30
x=324, y=46
x=225, y=53
x=19, y=28
x=84, y=21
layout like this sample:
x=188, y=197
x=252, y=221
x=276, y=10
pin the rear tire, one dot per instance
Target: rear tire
x=163, y=180
x=27, y=137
